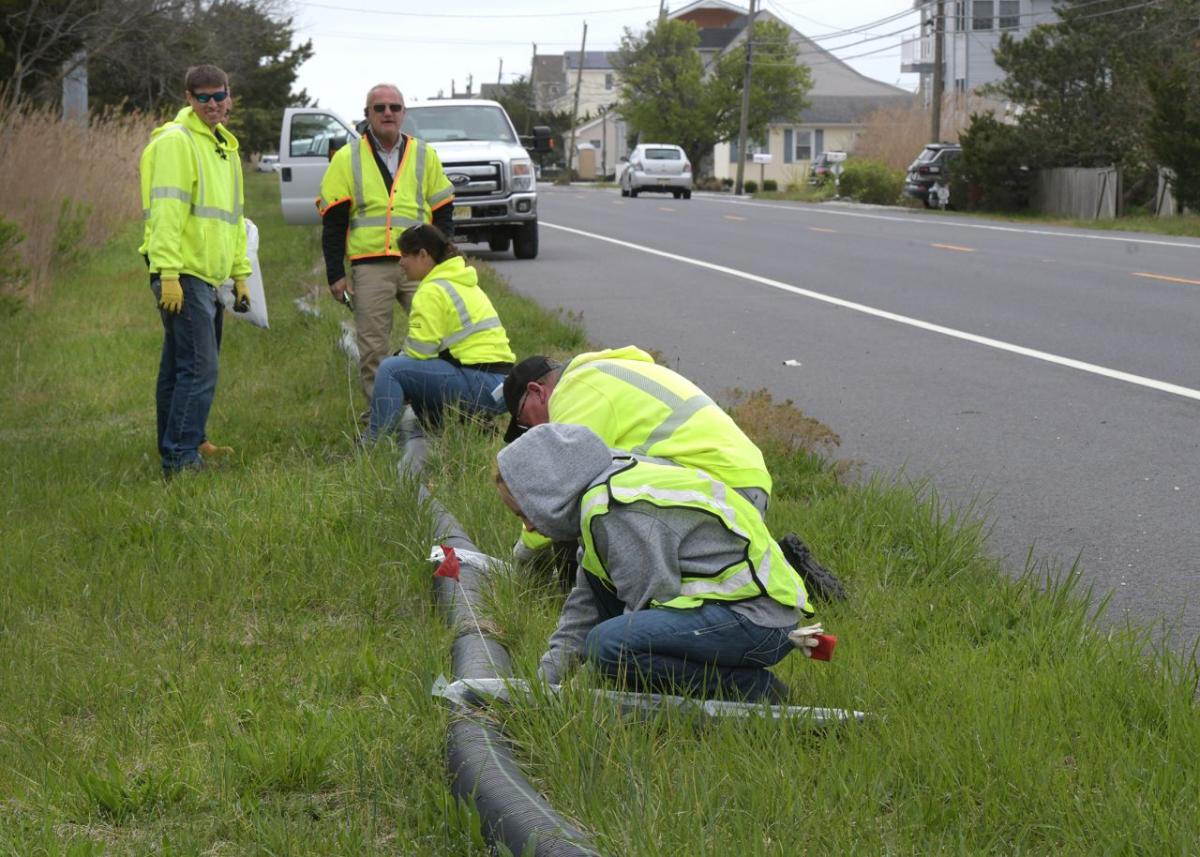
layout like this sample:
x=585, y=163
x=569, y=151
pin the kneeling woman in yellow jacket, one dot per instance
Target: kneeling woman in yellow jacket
x=456, y=351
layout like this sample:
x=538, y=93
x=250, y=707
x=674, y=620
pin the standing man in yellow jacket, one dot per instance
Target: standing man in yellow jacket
x=373, y=190
x=194, y=240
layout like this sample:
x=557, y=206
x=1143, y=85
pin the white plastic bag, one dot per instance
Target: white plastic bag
x=257, y=315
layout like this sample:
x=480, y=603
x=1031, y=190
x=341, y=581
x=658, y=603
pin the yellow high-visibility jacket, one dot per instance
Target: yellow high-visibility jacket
x=378, y=214
x=450, y=313
x=192, y=200
x=637, y=406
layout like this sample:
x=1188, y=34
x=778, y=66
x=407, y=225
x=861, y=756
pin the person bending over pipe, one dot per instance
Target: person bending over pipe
x=680, y=587
x=456, y=351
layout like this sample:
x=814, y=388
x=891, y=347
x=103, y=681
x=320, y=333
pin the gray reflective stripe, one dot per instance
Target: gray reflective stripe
x=214, y=214
x=419, y=195
x=360, y=202
x=600, y=499
x=688, y=498
x=430, y=348
x=710, y=586
x=486, y=324
x=464, y=317
x=441, y=196
x=681, y=409
x=360, y=222
x=170, y=193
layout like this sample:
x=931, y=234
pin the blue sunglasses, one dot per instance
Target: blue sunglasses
x=205, y=97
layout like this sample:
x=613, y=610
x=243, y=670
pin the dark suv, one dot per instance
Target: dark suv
x=929, y=169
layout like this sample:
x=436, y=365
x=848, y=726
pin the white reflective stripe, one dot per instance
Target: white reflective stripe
x=464, y=318
x=486, y=324
x=430, y=348
x=163, y=192
x=681, y=409
x=419, y=194
x=712, y=586
x=441, y=196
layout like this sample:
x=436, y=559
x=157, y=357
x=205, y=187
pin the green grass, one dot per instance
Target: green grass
x=1183, y=225
x=239, y=662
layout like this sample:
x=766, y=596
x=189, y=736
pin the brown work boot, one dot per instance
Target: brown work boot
x=209, y=450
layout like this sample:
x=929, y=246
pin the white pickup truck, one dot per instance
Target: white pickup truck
x=495, y=191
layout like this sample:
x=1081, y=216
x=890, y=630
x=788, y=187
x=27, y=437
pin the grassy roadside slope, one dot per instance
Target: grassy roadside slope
x=239, y=663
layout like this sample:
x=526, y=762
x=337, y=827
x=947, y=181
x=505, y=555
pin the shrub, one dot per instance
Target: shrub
x=711, y=183
x=750, y=186
x=871, y=181
x=727, y=183
x=993, y=172
x=14, y=275
x=770, y=185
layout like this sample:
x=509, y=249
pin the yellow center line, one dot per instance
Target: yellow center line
x=733, y=217
x=1183, y=280
x=954, y=247
x=820, y=229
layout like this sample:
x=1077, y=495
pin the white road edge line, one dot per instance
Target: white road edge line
x=944, y=222
x=1115, y=374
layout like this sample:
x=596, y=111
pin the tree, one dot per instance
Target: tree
x=518, y=101
x=666, y=94
x=1174, y=131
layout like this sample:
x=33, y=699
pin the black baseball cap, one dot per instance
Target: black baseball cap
x=529, y=369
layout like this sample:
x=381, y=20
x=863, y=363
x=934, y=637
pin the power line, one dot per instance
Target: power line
x=473, y=15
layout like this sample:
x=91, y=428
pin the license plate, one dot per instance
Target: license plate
x=462, y=212
x=664, y=181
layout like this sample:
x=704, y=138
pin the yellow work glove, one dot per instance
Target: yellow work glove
x=241, y=296
x=172, y=295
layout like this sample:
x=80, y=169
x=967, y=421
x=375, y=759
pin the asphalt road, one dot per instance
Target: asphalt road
x=1053, y=372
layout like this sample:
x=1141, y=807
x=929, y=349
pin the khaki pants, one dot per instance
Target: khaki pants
x=376, y=286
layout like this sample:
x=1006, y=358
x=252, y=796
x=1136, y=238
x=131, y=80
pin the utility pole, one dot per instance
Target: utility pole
x=744, y=127
x=575, y=109
x=939, y=57
x=532, y=92
x=662, y=9
x=500, y=73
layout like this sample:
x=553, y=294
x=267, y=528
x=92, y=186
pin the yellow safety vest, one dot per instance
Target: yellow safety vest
x=763, y=570
x=379, y=214
x=638, y=406
x=450, y=312
x=191, y=186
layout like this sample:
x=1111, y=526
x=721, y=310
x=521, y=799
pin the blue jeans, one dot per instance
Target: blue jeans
x=708, y=651
x=427, y=385
x=187, y=372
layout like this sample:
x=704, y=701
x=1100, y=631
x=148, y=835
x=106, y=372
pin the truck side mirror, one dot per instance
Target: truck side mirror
x=543, y=139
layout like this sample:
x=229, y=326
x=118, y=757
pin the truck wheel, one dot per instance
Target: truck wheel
x=525, y=245
x=687, y=194
x=498, y=242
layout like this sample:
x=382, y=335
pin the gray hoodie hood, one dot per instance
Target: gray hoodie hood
x=548, y=469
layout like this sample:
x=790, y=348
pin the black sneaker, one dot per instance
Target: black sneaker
x=820, y=582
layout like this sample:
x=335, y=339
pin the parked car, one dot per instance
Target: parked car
x=822, y=166
x=268, y=164
x=929, y=170
x=658, y=167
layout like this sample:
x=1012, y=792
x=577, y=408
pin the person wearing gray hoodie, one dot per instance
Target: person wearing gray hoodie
x=680, y=587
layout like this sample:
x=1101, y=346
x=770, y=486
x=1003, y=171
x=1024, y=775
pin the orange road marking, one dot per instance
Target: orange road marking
x=954, y=247
x=1183, y=280
x=733, y=217
x=820, y=229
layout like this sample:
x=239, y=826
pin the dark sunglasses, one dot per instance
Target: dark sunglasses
x=395, y=108
x=205, y=97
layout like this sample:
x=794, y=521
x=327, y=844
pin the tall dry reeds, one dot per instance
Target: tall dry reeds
x=896, y=135
x=66, y=186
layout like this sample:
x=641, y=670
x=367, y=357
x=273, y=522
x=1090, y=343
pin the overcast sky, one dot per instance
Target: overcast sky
x=423, y=46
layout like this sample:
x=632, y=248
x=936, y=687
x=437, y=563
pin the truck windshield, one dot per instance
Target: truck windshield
x=465, y=122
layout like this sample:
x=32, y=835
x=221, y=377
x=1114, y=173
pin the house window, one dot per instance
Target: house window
x=981, y=19
x=1010, y=14
x=608, y=80
x=960, y=16
x=802, y=145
